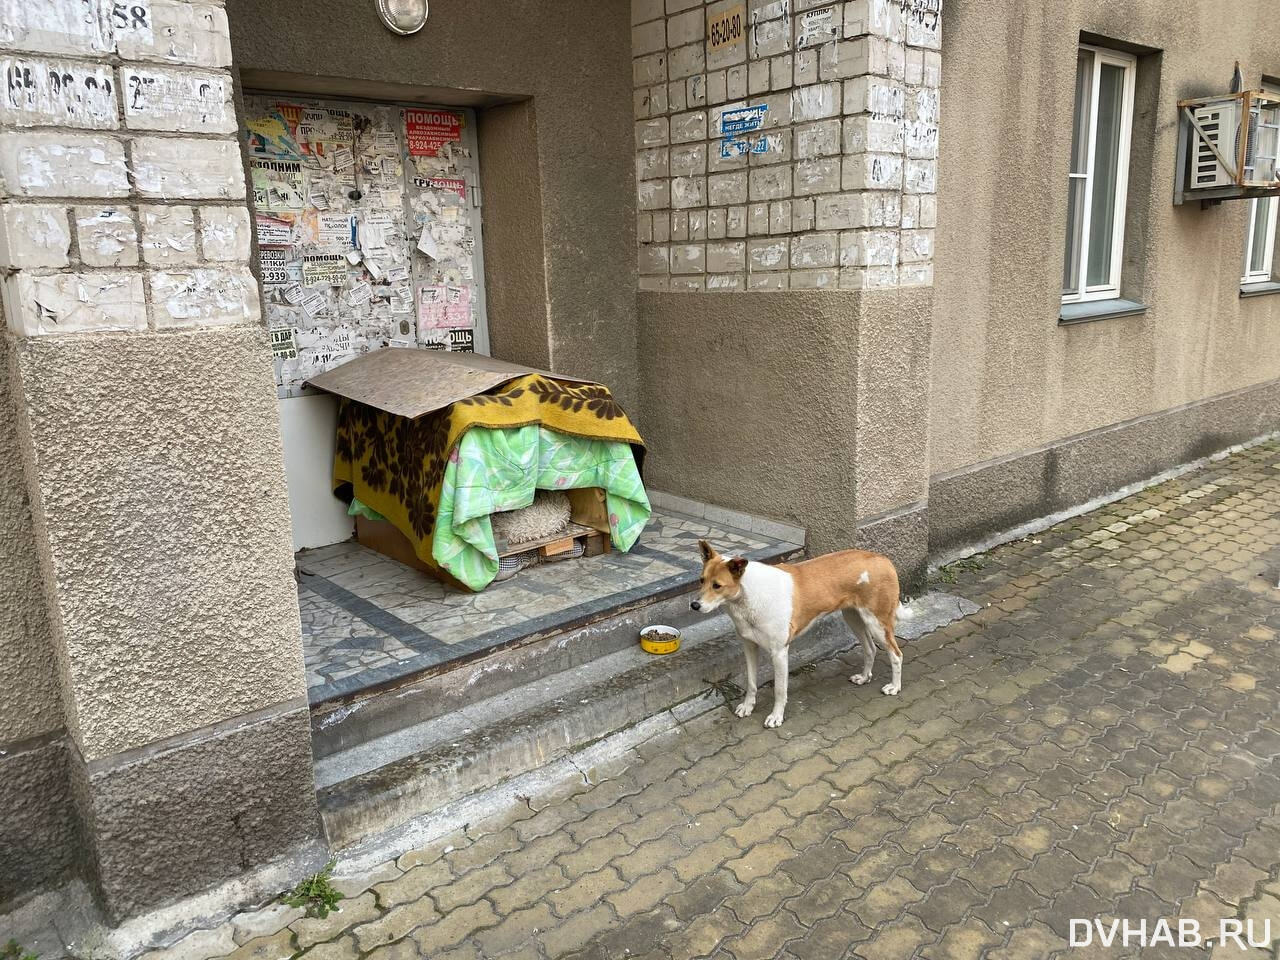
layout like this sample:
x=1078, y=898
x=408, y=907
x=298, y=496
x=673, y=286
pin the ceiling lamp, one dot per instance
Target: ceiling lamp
x=403, y=16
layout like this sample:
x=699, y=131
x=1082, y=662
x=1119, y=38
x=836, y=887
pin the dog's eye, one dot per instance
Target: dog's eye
x=715, y=586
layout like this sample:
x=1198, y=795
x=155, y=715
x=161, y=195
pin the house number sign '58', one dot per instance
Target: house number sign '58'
x=126, y=16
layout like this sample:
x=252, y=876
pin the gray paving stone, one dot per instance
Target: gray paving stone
x=1104, y=744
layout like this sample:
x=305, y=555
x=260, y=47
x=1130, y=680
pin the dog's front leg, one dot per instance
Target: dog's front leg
x=780, y=660
x=749, y=701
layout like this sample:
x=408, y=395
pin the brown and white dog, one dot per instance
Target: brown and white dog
x=772, y=604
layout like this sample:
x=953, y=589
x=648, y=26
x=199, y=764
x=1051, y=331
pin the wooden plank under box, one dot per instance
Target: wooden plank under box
x=594, y=543
x=589, y=525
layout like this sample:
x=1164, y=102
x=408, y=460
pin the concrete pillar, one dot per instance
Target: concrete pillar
x=147, y=424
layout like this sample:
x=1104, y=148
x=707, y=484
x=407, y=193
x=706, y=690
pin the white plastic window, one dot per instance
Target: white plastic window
x=1260, y=238
x=1260, y=242
x=1098, y=175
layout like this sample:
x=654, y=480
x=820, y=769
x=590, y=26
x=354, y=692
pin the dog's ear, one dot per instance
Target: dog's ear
x=736, y=567
x=708, y=551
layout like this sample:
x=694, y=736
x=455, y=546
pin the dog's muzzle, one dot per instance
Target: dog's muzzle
x=696, y=605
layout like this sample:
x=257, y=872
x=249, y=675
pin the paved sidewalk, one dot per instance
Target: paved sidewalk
x=1099, y=740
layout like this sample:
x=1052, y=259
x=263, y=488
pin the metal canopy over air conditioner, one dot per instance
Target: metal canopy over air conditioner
x=1228, y=147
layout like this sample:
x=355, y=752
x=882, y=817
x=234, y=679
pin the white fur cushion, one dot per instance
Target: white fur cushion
x=545, y=517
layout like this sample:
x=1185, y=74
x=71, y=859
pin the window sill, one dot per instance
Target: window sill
x=1100, y=310
x=1259, y=289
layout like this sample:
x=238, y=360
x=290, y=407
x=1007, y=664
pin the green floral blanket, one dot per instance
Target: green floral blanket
x=492, y=470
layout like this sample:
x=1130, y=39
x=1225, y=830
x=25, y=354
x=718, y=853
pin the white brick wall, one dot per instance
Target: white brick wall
x=62, y=165
x=74, y=302
x=108, y=236
x=91, y=163
x=56, y=27
x=835, y=188
x=169, y=235
x=41, y=91
x=204, y=297
x=181, y=101
x=32, y=235
x=188, y=33
x=181, y=169
x=224, y=233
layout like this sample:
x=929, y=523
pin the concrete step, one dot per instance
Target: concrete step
x=387, y=782
x=383, y=783
x=449, y=687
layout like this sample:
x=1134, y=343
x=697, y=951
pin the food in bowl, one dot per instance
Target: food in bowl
x=660, y=639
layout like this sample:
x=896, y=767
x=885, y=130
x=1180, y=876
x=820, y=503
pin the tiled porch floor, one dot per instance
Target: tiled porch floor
x=367, y=619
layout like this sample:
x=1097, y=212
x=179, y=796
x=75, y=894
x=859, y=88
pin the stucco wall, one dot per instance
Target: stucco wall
x=32, y=703
x=516, y=288
x=1006, y=376
x=893, y=381
x=573, y=58
x=166, y=528
x=750, y=403
x=806, y=406
x=37, y=826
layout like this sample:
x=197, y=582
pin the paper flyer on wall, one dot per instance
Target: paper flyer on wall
x=274, y=231
x=325, y=268
x=277, y=184
x=427, y=243
x=314, y=304
x=359, y=294
x=428, y=130
x=385, y=141
x=282, y=344
x=328, y=228
x=377, y=230
x=274, y=265
x=444, y=305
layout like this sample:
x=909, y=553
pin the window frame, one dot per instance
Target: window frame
x=1265, y=272
x=1129, y=64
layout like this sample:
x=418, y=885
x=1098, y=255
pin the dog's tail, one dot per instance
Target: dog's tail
x=904, y=612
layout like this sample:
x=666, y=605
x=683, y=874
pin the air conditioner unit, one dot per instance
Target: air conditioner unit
x=1228, y=147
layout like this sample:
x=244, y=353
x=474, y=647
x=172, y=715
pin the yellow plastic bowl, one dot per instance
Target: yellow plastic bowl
x=660, y=639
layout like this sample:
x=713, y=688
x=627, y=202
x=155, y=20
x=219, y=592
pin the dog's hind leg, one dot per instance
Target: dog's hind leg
x=895, y=660
x=854, y=620
x=749, y=701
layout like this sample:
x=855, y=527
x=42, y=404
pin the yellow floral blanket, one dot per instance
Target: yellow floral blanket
x=396, y=465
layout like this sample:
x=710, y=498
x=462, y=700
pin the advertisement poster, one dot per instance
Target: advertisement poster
x=453, y=184
x=817, y=27
x=331, y=228
x=277, y=184
x=444, y=306
x=329, y=269
x=275, y=266
x=274, y=231
x=434, y=339
x=428, y=130
x=283, y=346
